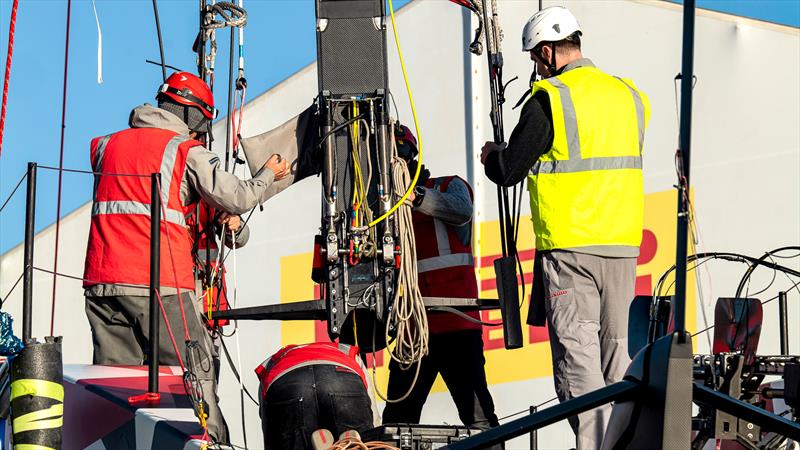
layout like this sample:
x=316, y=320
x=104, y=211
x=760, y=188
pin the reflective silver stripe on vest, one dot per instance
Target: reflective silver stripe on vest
x=570, y=118
x=585, y=165
x=99, y=152
x=128, y=207
x=442, y=241
x=168, y=164
x=637, y=100
x=444, y=262
x=576, y=163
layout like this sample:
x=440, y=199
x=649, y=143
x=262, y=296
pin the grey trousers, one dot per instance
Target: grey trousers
x=587, y=301
x=120, y=335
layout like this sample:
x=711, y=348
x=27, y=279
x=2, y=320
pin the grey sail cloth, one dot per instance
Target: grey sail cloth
x=295, y=140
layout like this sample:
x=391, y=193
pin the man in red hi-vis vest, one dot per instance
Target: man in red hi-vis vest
x=117, y=274
x=442, y=217
x=322, y=385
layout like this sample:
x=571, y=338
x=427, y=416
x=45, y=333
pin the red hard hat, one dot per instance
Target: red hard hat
x=189, y=90
x=403, y=134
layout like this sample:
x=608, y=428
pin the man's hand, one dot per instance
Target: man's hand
x=488, y=148
x=278, y=166
x=232, y=221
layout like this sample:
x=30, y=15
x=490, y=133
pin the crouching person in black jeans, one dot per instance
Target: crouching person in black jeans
x=304, y=388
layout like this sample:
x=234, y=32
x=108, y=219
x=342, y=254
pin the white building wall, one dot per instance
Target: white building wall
x=745, y=166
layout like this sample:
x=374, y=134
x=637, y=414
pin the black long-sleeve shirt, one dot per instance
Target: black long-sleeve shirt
x=531, y=138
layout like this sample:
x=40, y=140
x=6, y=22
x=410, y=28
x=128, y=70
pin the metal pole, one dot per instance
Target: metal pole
x=687, y=71
x=27, y=280
x=534, y=433
x=155, y=279
x=784, y=323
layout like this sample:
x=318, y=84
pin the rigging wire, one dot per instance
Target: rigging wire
x=160, y=42
x=60, y=167
x=12, y=26
x=13, y=191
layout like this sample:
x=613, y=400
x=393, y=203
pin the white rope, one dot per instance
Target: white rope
x=99, y=46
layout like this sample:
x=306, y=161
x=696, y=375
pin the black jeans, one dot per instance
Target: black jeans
x=458, y=356
x=310, y=398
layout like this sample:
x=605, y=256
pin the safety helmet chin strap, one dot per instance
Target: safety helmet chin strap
x=552, y=66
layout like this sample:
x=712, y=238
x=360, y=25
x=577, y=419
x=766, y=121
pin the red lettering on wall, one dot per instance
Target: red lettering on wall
x=490, y=343
x=647, y=251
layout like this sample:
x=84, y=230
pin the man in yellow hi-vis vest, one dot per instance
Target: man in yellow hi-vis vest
x=579, y=141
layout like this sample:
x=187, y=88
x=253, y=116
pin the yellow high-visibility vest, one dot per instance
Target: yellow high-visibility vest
x=587, y=190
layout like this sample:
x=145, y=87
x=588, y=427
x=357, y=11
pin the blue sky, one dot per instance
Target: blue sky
x=279, y=38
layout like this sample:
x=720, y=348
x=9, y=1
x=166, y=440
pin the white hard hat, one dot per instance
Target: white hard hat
x=551, y=24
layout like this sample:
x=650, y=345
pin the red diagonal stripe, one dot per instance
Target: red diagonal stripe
x=524, y=255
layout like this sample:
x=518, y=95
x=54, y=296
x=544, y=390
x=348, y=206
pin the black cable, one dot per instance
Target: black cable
x=762, y=304
x=528, y=409
x=91, y=172
x=11, y=291
x=340, y=126
x=761, y=261
x=165, y=65
x=160, y=42
x=236, y=372
x=734, y=257
x=13, y=191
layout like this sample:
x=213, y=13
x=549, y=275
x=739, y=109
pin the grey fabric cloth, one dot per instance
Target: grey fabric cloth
x=587, y=300
x=191, y=116
x=120, y=336
x=295, y=140
x=204, y=178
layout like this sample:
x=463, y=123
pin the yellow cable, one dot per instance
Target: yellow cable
x=416, y=125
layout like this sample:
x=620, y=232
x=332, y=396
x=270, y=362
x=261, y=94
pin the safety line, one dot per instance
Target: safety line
x=60, y=166
x=91, y=172
x=11, y=28
x=11, y=291
x=13, y=191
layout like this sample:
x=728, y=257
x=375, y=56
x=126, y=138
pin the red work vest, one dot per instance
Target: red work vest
x=295, y=356
x=446, y=266
x=197, y=220
x=119, y=237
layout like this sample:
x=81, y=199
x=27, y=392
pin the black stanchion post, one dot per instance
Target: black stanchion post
x=534, y=432
x=155, y=279
x=687, y=78
x=784, y=323
x=27, y=281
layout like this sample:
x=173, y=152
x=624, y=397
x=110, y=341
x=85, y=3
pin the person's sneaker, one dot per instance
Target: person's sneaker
x=322, y=439
x=350, y=434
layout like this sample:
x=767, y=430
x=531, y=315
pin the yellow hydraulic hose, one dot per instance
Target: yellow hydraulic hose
x=416, y=125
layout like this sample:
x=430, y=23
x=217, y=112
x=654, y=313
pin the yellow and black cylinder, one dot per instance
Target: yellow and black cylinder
x=37, y=395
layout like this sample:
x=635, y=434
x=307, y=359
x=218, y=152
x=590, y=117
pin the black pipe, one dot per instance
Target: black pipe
x=160, y=42
x=534, y=433
x=784, y=323
x=155, y=280
x=704, y=395
x=687, y=71
x=617, y=392
x=27, y=274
